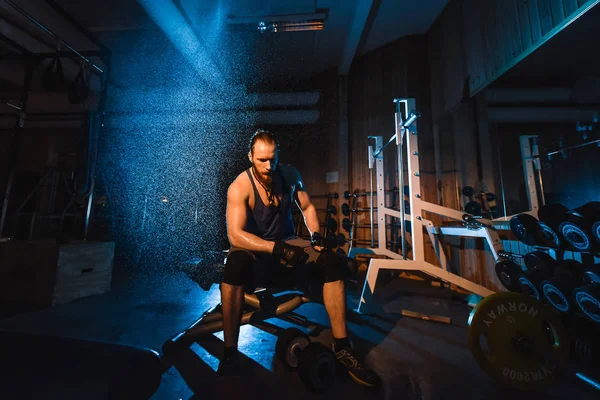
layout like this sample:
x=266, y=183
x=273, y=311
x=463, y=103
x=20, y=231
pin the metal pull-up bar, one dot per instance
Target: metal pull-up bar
x=576, y=146
x=49, y=32
x=403, y=127
x=11, y=105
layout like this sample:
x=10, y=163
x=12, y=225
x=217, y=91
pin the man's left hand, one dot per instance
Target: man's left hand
x=318, y=242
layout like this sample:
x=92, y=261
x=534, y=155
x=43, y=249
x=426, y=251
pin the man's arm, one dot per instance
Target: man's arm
x=308, y=209
x=237, y=216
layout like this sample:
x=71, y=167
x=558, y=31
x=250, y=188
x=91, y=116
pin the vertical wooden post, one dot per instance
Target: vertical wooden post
x=343, y=164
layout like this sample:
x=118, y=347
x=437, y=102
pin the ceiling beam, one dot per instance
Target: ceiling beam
x=361, y=14
x=61, y=11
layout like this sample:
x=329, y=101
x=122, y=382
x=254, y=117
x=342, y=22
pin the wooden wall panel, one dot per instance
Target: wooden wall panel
x=545, y=16
x=524, y=25
x=535, y=21
x=479, y=40
x=570, y=6
x=558, y=11
x=447, y=55
x=397, y=70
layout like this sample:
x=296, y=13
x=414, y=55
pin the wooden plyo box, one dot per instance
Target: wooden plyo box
x=45, y=273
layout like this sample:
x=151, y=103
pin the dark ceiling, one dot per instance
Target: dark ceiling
x=352, y=27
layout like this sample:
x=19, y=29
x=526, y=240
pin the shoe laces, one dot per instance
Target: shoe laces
x=348, y=359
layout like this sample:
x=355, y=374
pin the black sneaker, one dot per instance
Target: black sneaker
x=358, y=372
x=229, y=367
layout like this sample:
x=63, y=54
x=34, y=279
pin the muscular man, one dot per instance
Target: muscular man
x=261, y=233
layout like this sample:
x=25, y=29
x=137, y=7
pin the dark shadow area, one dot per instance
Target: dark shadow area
x=46, y=367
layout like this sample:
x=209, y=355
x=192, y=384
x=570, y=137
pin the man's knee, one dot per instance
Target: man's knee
x=331, y=266
x=238, y=268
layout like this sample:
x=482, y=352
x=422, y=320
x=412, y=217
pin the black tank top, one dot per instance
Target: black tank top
x=270, y=222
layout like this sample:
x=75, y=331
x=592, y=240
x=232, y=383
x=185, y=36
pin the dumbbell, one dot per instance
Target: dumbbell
x=585, y=341
x=577, y=230
x=334, y=240
x=540, y=266
x=348, y=195
x=527, y=229
x=331, y=225
x=326, y=196
x=508, y=272
x=315, y=363
x=557, y=290
x=473, y=208
x=550, y=217
x=468, y=191
x=331, y=210
x=587, y=300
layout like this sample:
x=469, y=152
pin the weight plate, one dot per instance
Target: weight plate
x=316, y=367
x=508, y=272
x=473, y=208
x=556, y=294
x=467, y=191
x=345, y=209
x=548, y=238
x=289, y=344
x=575, y=236
x=540, y=261
x=518, y=341
x=596, y=232
x=587, y=299
x=346, y=224
x=528, y=287
x=526, y=229
x=331, y=240
x=579, y=277
x=552, y=214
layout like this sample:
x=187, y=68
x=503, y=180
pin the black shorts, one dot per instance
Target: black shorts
x=269, y=271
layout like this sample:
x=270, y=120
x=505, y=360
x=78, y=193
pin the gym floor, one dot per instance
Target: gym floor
x=415, y=359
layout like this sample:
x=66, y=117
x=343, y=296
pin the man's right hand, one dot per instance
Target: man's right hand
x=292, y=255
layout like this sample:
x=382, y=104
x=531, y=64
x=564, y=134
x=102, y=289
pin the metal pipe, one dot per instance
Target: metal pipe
x=411, y=119
x=371, y=210
x=501, y=180
x=42, y=27
x=78, y=26
x=41, y=56
x=378, y=152
x=541, y=114
x=11, y=105
x=400, y=134
x=551, y=153
x=538, y=167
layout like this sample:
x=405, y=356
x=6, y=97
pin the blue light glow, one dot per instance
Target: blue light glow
x=166, y=15
x=588, y=380
x=174, y=137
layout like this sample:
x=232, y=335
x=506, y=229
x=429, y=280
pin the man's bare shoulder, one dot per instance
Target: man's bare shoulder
x=240, y=185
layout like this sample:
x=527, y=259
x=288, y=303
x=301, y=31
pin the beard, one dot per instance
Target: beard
x=265, y=177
